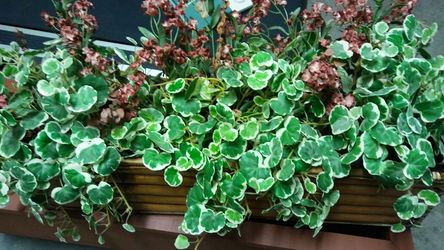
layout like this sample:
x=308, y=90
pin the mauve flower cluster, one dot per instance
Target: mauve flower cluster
x=260, y=10
x=320, y=75
x=312, y=18
x=71, y=36
x=69, y=27
x=354, y=12
x=159, y=55
x=351, y=12
x=339, y=99
x=178, y=51
x=252, y=23
x=323, y=78
x=354, y=38
x=80, y=10
x=95, y=59
x=138, y=78
x=280, y=44
x=193, y=43
x=125, y=96
x=152, y=7
x=109, y=115
x=400, y=9
x=123, y=101
x=3, y=101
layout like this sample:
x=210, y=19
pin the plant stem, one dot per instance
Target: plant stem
x=199, y=241
x=121, y=193
x=211, y=79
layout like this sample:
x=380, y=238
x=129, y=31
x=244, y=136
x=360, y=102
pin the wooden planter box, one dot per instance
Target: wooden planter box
x=362, y=201
x=159, y=231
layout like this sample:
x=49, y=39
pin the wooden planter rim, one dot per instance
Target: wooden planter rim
x=137, y=163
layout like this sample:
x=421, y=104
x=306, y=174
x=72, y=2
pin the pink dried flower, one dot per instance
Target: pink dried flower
x=152, y=7
x=130, y=114
x=86, y=71
x=320, y=75
x=49, y=20
x=281, y=43
x=3, y=101
x=125, y=93
x=172, y=13
x=200, y=41
x=354, y=38
x=71, y=31
x=239, y=60
x=115, y=116
x=179, y=55
x=138, y=78
x=81, y=7
x=90, y=22
x=313, y=19
x=80, y=10
x=353, y=12
x=95, y=59
x=261, y=9
x=192, y=24
x=339, y=99
x=324, y=43
x=70, y=34
x=401, y=9
x=142, y=56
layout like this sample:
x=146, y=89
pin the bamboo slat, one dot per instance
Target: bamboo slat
x=155, y=190
x=334, y=216
x=150, y=180
x=362, y=218
x=153, y=199
x=342, y=218
x=362, y=201
x=347, y=209
x=341, y=208
x=159, y=208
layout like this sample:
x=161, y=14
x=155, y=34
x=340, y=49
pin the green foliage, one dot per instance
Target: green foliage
x=340, y=50
x=181, y=242
x=50, y=153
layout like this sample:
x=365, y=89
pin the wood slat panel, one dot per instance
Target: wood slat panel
x=342, y=217
x=159, y=208
x=366, y=200
x=347, y=209
x=363, y=200
x=153, y=199
x=362, y=218
x=155, y=190
x=346, y=188
x=141, y=191
x=150, y=180
x=163, y=229
x=339, y=208
x=333, y=216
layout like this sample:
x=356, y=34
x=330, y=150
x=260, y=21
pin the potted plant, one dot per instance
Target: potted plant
x=238, y=124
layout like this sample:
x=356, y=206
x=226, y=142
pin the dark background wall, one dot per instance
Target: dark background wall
x=117, y=18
